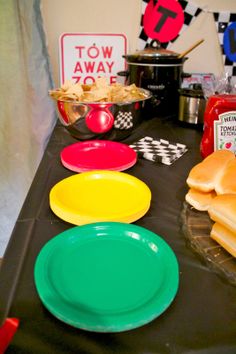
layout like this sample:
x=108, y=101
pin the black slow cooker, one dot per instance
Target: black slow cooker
x=160, y=71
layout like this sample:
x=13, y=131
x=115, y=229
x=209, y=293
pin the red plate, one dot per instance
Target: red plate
x=98, y=155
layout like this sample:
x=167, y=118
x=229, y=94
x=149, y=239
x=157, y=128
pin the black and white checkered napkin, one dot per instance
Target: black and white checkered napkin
x=159, y=150
x=123, y=120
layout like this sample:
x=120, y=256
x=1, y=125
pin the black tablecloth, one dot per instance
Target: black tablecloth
x=202, y=317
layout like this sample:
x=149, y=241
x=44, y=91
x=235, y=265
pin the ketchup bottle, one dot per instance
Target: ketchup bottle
x=219, y=124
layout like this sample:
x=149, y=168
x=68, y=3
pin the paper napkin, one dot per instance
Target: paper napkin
x=160, y=150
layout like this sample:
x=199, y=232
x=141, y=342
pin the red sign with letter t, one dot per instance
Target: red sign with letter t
x=163, y=19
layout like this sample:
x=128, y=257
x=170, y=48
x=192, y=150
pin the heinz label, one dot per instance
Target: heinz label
x=225, y=132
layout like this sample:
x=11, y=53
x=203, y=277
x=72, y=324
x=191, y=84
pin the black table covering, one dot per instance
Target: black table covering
x=202, y=317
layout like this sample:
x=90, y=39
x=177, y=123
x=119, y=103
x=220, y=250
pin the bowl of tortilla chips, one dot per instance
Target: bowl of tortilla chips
x=99, y=110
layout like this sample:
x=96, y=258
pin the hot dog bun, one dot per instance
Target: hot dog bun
x=223, y=211
x=225, y=238
x=199, y=200
x=205, y=174
x=227, y=182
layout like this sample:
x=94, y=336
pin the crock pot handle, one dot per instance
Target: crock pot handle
x=185, y=75
x=155, y=44
x=123, y=73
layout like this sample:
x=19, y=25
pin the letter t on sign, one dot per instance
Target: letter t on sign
x=163, y=20
x=165, y=14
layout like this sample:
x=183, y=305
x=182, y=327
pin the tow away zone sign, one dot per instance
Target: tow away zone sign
x=87, y=56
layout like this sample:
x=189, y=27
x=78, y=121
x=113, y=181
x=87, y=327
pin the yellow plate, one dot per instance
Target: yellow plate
x=100, y=196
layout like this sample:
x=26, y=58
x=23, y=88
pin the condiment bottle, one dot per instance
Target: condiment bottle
x=219, y=124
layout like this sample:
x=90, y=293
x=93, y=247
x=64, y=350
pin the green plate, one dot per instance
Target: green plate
x=107, y=276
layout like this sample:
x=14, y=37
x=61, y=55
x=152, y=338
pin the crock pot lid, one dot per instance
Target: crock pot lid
x=191, y=92
x=155, y=51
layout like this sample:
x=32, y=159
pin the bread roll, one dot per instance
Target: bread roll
x=199, y=200
x=204, y=175
x=225, y=238
x=227, y=181
x=223, y=210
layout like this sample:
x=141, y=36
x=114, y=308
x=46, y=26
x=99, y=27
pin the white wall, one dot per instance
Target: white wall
x=124, y=16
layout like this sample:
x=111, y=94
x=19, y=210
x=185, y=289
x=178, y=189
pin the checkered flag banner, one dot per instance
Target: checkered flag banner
x=191, y=11
x=222, y=21
x=161, y=150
